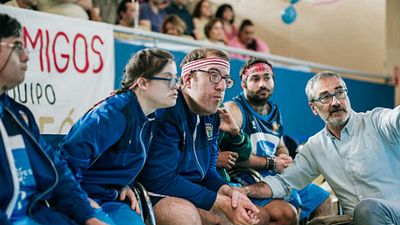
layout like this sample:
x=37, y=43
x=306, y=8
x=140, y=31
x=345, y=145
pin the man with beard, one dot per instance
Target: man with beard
x=357, y=153
x=180, y=170
x=260, y=118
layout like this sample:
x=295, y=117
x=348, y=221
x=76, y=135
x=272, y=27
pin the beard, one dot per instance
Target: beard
x=254, y=98
x=335, y=121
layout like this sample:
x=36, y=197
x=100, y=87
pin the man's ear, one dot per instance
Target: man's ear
x=188, y=81
x=243, y=84
x=313, y=108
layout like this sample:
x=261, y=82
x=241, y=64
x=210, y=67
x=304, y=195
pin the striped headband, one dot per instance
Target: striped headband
x=201, y=63
x=257, y=67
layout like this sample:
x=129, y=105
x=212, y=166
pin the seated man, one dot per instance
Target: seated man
x=181, y=165
x=32, y=174
x=357, y=153
x=260, y=118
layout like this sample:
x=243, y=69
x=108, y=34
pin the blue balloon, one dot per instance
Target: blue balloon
x=289, y=15
x=294, y=1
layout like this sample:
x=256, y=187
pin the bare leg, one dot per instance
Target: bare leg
x=263, y=215
x=176, y=211
x=281, y=212
x=209, y=218
x=325, y=209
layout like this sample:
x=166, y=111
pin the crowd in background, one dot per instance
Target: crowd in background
x=199, y=20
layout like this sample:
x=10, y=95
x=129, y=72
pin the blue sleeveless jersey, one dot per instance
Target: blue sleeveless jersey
x=265, y=131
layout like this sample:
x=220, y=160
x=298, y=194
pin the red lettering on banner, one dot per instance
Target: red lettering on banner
x=85, y=68
x=98, y=53
x=47, y=50
x=39, y=36
x=52, y=55
x=63, y=55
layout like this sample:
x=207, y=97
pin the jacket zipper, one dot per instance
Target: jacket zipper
x=194, y=146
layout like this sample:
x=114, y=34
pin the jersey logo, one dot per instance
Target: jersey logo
x=209, y=131
x=275, y=126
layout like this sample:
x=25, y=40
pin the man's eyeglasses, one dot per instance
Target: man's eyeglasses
x=215, y=77
x=327, y=98
x=172, y=82
x=17, y=46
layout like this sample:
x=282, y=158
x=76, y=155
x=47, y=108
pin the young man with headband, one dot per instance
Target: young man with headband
x=261, y=119
x=181, y=167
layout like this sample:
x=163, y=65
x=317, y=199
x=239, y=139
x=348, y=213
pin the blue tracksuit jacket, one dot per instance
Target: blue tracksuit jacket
x=108, y=146
x=183, y=156
x=54, y=180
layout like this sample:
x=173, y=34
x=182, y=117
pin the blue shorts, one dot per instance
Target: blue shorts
x=308, y=198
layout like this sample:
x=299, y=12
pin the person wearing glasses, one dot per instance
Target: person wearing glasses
x=108, y=146
x=181, y=170
x=259, y=117
x=31, y=173
x=357, y=153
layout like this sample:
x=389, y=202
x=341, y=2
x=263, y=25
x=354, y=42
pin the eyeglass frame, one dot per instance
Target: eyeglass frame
x=330, y=96
x=220, y=77
x=17, y=46
x=170, y=80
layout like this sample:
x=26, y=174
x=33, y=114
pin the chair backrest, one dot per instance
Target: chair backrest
x=291, y=144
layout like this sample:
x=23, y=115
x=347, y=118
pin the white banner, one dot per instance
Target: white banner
x=71, y=67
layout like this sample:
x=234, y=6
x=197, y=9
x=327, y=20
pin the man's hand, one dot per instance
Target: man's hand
x=226, y=159
x=242, y=214
x=127, y=193
x=228, y=123
x=236, y=195
x=282, y=162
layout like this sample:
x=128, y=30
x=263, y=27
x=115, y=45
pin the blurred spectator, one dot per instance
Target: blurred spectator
x=25, y=4
x=179, y=8
x=128, y=13
x=226, y=14
x=201, y=15
x=71, y=8
x=153, y=12
x=246, y=39
x=104, y=10
x=214, y=31
x=174, y=25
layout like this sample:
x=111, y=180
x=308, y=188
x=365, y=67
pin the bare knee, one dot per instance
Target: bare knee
x=325, y=209
x=281, y=212
x=176, y=211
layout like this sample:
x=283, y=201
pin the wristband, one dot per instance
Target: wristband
x=270, y=163
x=238, y=139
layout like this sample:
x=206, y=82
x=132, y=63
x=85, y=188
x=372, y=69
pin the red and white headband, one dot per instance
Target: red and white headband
x=201, y=63
x=255, y=68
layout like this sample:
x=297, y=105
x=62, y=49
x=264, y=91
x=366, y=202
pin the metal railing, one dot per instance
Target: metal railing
x=157, y=39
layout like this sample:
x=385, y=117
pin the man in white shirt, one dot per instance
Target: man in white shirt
x=357, y=153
